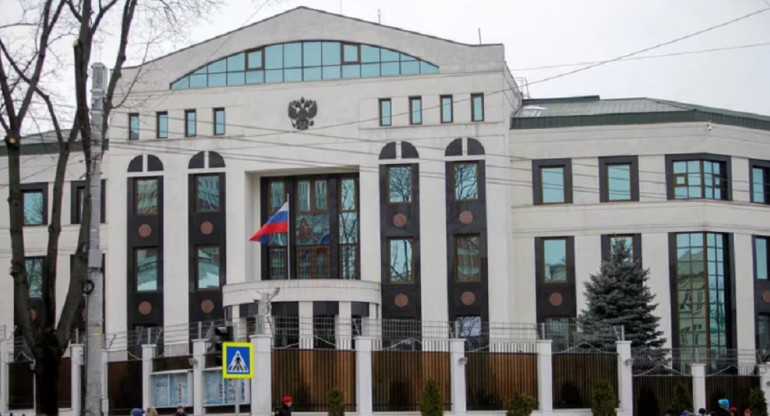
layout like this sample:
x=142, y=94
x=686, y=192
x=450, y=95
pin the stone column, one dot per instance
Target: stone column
x=698, y=372
x=148, y=353
x=197, y=390
x=306, y=325
x=343, y=327
x=544, y=377
x=457, y=361
x=364, y=376
x=76, y=377
x=261, y=384
x=625, y=378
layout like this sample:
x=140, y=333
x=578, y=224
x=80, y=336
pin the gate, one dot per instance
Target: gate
x=575, y=373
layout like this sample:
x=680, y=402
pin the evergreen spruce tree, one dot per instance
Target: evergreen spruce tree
x=431, y=402
x=619, y=296
x=757, y=402
x=682, y=399
x=604, y=401
x=336, y=403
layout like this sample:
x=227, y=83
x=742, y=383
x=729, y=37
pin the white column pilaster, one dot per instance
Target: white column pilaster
x=544, y=377
x=625, y=378
x=148, y=353
x=261, y=384
x=306, y=325
x=199, y=355
x=343, y=326
x=364, y=376
x=698, y=372
x=457, y=361
x=76, y=377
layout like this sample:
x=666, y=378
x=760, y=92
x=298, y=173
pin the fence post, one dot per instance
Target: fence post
x=544, y=377
x=364, y=376
x=148, y=353
x=625, y=378
x=199, y=362
x=5, y=351
x=764, y=379
x=698, y=372
x=261, y=384
x=76, y=377
x=457, y=361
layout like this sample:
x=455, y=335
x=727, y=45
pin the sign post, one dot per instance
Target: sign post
x=237, y=365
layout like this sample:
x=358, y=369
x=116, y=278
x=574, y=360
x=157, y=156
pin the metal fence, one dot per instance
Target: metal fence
x=398, y=378
x=577, y=371
x=309, y=375
x=491, y=378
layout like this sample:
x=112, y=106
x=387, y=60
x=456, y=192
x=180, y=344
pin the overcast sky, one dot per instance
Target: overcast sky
x=552, y=32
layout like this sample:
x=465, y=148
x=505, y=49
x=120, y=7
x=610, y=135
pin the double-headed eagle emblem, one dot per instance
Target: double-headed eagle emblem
x=301, y=113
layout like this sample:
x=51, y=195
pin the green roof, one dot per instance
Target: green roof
x=593, y=111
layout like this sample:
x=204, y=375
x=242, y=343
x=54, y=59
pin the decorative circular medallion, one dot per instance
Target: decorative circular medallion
x=401, y=300
x=468, y=298
x=207, y=227
x=556, y=299
x=145, y=230
x=466, y=217
x=145, y=308
x=33, y=314
x=399, y=220
x=207, y=306
x=766, y=296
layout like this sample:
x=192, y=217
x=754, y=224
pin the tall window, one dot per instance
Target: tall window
x=348, y=228
x=79, y=199
x=477, y=107
x=559, y=331
x=146, y=196
x=446, y=109
x=761, y=257
x=190, y=123
x=133, y=126
x=698, y=179
x=312, y=236
x=630, y=241
x=146, y=269
x=554, y=265
x=763, y=334
x=399, y=184
x=34, y=266
x=385, y=112
x=466, y=181
x=161, y=122
x=207, y=193
x=34, y=206
x=276, y=251
x=701, y=281
x=401, y=261
x=208, y=267
x=552, y=181
x=415, y=110
x=760, y=181
x=468, y=258
x=618, y=178
x=219, y=121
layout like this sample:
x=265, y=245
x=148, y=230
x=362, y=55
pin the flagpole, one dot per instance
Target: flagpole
x=288, y=238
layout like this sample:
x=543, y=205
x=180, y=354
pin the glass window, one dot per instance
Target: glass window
x=619, y=182
x=331, y=53
x=426, y=68
x=370, y=54
x=760, y=185
x=468, y=258
x=274, y=57
x=446, y=109
x=218, y=80
x=351, y=71
x=198, y=81
x=219, y=121
x=401, y=261
x=466, y=181
x=255, y=77
x=236, y=78
x=388, y=69
x=331, y=72
x=370, y=70
x=312, y=54
x=552, y=187
x=182, y=84
x=350, y=53
x=399, y=184
x=34, y=266
x=410, y=68
x=146, y=269
x=415, y=114
x=255, y=60
x=208, y=267
x=477, y=107
x=191, y=123
x=320, y=194
x=699, y=179
x=761, y=258
x=555, y=260
x=33, y=204
x=236, y=62
x=348, y=229
x=292, y=55
x=133, y=127
x=146, y=196
x=162, y=125
x=386, y=55
x=207, y=191
x=763, y=333
x=385, y=112
x=273, y=75
x=292, y=75
x=626, y=240
x=218, y=67
x=312, y=74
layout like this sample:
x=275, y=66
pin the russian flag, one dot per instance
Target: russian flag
x=278, y=223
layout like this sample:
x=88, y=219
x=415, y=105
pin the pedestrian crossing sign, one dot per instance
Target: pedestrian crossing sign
x=237, y=360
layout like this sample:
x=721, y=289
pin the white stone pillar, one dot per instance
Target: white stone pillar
x=698, y=372
x=625, y=379
x=5, y=352
x=148, y=353
x=76, y=377
x=764, y=380
x=343, y=327
x=199, y=355
x=372, y=329
x=544, y=377
x=306, y=325
x=261, y=384
x=457, y=361
x=364, y=376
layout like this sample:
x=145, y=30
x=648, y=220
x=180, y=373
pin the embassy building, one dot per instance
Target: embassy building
x=422, y=186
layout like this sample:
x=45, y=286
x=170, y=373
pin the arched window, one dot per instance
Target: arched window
x=408, y=151
x=145, y=163
x=201, y=161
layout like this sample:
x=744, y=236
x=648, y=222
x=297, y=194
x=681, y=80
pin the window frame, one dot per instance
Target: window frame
x=479, y=258
x=411, y=183
x=451, y=108
x=454, y=180
x=187, y=113
x=474, y=96
x=158, y=115
x=636, y=245
x=755, y=260
x=380, y=102
x=412, y=271
x=412, y=100
x=569, y=265
x=537, y=183
x=342, y=54
x=131, y=134
x=727, y=187
x=197, y=268
x=764, y=165
x=41, y=187
x=215, y=111
x=75, y=188
x=604, y=180
x=196, y=184
x=261, y=66
x=158, y=266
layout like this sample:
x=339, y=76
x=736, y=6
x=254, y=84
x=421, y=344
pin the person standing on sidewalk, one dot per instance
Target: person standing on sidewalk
x=285, y=409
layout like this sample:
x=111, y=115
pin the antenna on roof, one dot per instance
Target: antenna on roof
x=479, y=36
